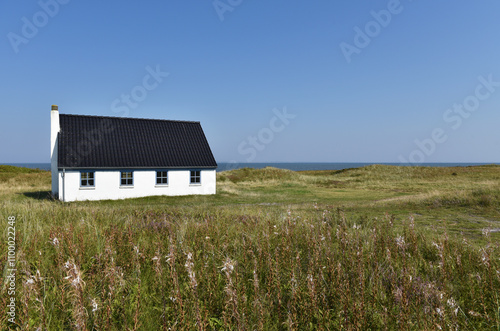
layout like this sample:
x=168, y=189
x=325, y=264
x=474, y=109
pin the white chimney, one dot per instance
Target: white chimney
x=54, y=131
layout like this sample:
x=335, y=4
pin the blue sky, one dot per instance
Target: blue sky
x=270, y=81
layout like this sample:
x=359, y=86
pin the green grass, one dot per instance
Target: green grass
x=370, y=248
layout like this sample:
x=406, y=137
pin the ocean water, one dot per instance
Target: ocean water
x=296, y=166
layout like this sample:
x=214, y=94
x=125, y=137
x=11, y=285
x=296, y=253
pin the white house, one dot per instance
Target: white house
x=97, y=158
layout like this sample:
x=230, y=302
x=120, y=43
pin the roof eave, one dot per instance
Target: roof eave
x=138, y=168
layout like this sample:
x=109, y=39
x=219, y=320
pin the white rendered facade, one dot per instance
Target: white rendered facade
x=106, y=184
x=54, y=130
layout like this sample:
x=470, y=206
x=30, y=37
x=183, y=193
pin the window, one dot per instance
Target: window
x=87, y=179
x=127, y=178
x=161, y=178
x=195, y=177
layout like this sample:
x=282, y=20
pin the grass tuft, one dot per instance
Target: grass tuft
x=378, y=247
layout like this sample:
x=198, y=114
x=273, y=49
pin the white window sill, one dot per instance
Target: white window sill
x=161, y=185
x=87, y=188
x=127, y=187
x=199, y=184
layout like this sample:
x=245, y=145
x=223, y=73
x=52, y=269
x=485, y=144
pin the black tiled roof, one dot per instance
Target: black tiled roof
x=117, y=142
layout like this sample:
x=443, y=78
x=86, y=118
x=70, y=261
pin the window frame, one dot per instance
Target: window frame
x=191, y=176
x=161, y=177
x=127, y=178
x=87, y=179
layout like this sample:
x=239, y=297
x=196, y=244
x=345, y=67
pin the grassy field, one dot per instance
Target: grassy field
x=379, y=247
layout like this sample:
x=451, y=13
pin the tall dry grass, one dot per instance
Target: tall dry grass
x=149, y=264
x=260, y=269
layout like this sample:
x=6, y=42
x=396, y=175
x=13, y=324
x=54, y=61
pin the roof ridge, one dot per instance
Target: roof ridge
x=129, y=118
x=131, y=142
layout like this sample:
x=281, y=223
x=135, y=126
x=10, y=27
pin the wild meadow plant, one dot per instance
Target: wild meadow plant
x=90, y=266
x=290, y=269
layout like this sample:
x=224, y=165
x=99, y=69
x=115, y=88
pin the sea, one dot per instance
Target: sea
x=295, y=166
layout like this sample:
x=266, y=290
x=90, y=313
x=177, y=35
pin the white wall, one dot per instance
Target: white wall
x=107, y=185
x=54, y=130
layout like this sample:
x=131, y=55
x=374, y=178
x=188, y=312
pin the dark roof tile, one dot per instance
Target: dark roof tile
x=116, y=142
